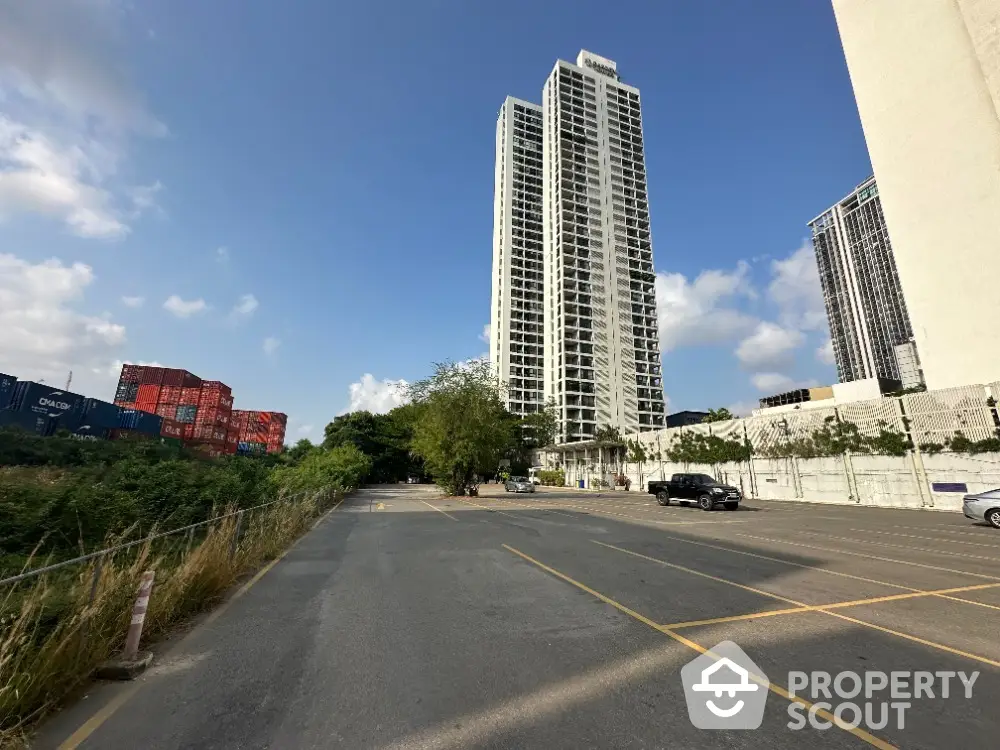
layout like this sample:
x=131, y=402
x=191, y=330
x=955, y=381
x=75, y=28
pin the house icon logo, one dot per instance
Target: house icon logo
x=725, y=689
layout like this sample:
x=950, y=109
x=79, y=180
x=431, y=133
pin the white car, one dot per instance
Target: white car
x=983, y=507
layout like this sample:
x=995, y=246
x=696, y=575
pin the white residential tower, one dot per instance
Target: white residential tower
x=600, y=361
x=516, y=311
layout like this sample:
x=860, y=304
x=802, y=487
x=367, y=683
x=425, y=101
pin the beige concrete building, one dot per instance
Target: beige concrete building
x=926, y=76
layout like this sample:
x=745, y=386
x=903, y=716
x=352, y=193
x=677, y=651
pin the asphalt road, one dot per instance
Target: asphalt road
x=562, y=620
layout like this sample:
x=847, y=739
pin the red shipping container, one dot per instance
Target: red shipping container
x=216, y=385
x=190, y=396
x=168, y=411
x=208, y=433
x=125, y=404
x=170, y=394
x=171, y=428
x=151, y=375
x=215, y=399
x=212, y=416
x=230, y=449
x=148, y=393
x=188, y=431
x=130, y=374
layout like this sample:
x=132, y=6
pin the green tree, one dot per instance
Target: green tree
x=718, y=415
x=539, y=428
x=462, y=427
x=609, y=442
x=384, y=438
x=300, y=450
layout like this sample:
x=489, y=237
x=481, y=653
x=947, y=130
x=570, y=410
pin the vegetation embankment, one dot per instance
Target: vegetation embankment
x=61, y=498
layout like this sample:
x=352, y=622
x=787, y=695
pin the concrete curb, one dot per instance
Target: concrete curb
x=124, y=669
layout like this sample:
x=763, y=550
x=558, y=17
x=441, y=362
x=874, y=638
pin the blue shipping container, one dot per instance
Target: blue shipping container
x=97, y=412
x=39, y=398
x=40, y=424
x=187, y=413
x=90, y=431
x=7, y=383
x=141, y=421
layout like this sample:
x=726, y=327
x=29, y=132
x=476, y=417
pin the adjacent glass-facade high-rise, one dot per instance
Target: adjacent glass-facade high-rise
x=601, y=359
x=861, y=289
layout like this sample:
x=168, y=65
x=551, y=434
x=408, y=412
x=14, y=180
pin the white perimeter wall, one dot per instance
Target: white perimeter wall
x=881, y=481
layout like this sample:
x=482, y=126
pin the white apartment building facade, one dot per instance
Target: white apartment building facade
x=600, y=358
x=601, y=339
x=861, y=289
x=517, y=304
x=926, y=76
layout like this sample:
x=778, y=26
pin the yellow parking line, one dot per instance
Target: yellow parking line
x=774, y=688
x=735, y=618
x=874, y=557
x=823, y=608
x=790, y=563
x=439, y=510
x=699, y=573
x=928, y=538
x=483, y=507
x=880, y=543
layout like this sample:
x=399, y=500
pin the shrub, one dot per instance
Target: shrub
x=552, y=478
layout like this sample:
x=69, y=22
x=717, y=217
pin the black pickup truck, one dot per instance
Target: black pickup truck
x=699, y=488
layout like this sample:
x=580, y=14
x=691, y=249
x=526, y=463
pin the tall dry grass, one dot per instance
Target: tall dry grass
x=52, y=636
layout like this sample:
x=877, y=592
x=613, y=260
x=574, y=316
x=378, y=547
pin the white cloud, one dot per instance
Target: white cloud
x=271, y=345
x=696, y=313
x=769, y=347
x=245, y=307
x=222, y=254
x=133, y=301
x=184, y=308
x=485, y=335
x=39, y=175
x=68, y=112
x=825, y=353
x=777, y=382
x=42, y=333
x=378, y=396
x=743, y=408
x=796, y=290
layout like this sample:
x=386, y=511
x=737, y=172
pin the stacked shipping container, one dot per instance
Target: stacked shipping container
x=259, y=431
x=192, y=410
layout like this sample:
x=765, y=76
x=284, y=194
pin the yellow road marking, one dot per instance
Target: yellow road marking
x=873, y=557
x=928, y=538
x=92, y=724
x=547, y=507
x=735, y=618
x=699, y=573
x=823, y=608
x=777, y=689
x=439, y=510
x=789, y=562
x=483, y=507
x=880, y=543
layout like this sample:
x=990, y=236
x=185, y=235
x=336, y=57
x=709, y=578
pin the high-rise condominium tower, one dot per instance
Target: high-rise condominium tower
x=601, y=358
x=864, y=301
x=517, y=302
x=926, y=76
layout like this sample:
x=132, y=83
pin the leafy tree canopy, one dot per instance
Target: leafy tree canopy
x=462, y=426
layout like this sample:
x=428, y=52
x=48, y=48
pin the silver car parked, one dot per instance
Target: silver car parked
x=519, y=484
x=983, y=507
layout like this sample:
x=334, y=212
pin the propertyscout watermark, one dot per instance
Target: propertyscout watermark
x=725, y=689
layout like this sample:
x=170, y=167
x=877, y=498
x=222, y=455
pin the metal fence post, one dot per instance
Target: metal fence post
x=236, y=535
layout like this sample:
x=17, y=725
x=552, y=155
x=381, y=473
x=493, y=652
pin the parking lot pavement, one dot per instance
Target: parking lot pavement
x=556, y=619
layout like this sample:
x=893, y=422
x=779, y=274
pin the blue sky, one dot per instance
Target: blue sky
x=300, y=193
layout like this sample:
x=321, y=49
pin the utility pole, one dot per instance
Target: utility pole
x=69, y=379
